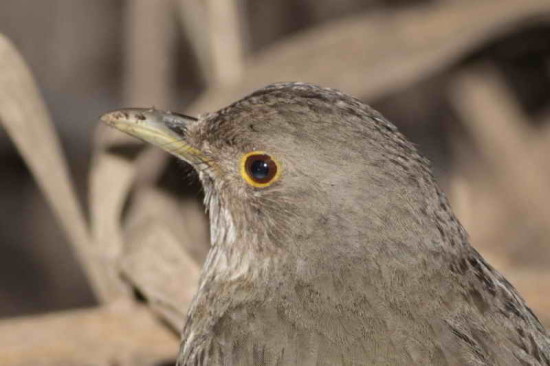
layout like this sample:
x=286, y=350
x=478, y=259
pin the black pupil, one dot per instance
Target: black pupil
x=259, y=169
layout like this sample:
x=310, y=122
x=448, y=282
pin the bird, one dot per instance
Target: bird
x=331, y=242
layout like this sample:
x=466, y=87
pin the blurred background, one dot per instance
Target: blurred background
x=467, y=80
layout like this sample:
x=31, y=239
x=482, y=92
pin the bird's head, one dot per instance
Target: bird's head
x=299, y=169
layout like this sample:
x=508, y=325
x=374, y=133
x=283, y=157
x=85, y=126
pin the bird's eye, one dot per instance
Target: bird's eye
x=259, y=169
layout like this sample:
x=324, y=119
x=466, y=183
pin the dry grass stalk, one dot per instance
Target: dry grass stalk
x=215, y=28
x=505, y=139
x=155, y=263
x=110, y=181
x=149, y=61
x=370, y=55
x=25, y=118
x=507, y=182
x=225, y=40
x=105, y=336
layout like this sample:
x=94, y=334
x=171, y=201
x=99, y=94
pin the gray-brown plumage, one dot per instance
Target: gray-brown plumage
x=352, y=257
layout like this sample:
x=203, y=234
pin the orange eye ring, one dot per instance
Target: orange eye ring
x=260, y=169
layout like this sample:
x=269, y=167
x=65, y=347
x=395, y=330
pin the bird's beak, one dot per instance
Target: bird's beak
x=166, y=130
